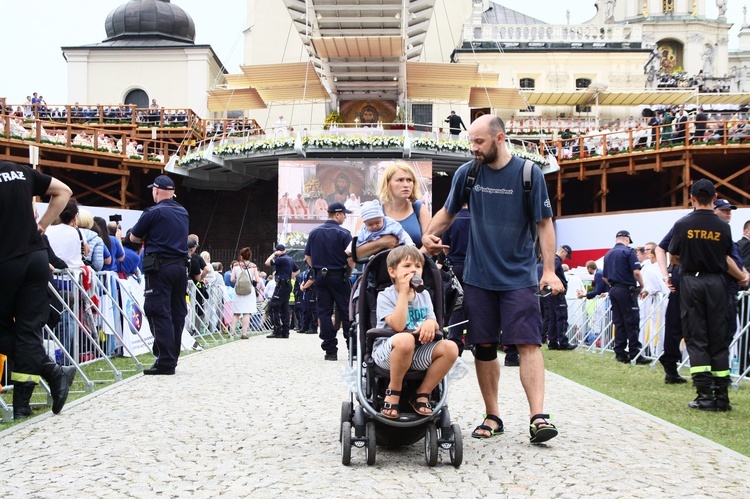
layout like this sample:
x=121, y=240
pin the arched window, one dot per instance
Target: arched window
x=667, y=6
x=137, y=97
x=528, y=83
x=582, y=83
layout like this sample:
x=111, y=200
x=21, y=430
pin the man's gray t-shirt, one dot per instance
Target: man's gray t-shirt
x=419, y=309
x=500, y=256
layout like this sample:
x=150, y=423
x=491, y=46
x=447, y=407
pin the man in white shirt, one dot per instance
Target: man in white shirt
x=280, y=128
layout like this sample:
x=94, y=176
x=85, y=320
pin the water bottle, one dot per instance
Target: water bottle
x=735, y=369
x=417, y=283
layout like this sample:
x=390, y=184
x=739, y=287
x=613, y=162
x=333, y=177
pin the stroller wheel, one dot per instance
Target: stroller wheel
x=430, y=444
x=346, y=443
x=346, y=415
x=457, y=449
x=370, y=450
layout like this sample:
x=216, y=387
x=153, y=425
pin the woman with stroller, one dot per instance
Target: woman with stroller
x=410, y=313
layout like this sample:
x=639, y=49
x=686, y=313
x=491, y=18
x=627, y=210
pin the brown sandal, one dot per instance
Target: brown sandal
x=421, y=407
x=387, y=406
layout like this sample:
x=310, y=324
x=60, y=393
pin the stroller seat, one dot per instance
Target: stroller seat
x=362, y=412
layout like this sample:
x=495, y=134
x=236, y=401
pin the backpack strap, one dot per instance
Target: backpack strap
x=471, y=179
x=528, y=170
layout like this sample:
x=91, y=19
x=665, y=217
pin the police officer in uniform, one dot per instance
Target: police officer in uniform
x=703, y=244
x=557, y=306
x=164, y=230
x=24, y=265
x=326, y=254
x=286, y=270
x=724, y=209
x=622, y=272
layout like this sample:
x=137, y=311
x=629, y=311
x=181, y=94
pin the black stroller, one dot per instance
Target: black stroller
x=370, y=427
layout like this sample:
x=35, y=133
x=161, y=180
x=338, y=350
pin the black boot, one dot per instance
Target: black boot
x=721, y=394
x=22, y=399
x=672, y=375
x=59, y=380
x=705, y=400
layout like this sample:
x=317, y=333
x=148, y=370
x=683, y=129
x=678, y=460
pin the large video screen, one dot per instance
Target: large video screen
x=307, y=187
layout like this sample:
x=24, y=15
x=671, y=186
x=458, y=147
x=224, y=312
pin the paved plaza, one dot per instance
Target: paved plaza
x=260, y=418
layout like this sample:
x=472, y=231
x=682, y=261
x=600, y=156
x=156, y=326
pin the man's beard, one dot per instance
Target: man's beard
x=491, y=155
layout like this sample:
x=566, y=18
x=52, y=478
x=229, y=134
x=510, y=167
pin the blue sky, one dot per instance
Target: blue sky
x=34, y=30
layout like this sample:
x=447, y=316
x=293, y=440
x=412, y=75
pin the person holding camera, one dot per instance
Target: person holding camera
x=286, y=270
x=163, y=228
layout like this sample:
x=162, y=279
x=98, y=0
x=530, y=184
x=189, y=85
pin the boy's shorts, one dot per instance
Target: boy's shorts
x=382, y=348
x=516, y=313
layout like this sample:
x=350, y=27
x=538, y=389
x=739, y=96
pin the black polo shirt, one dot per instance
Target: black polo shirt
x=619, y=264
x=285, y=266
x=702, y=240
x=164, y=227
x=327, y=244
x=18, y=185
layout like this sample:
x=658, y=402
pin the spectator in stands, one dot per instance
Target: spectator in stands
x=64, y=239
x=99, y=255
x=700, y=123
x=115, y=247
x=131, y=264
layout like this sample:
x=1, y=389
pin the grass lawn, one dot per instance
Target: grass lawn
x=644, y=388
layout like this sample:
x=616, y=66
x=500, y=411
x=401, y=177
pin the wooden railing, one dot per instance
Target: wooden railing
x=656, y=138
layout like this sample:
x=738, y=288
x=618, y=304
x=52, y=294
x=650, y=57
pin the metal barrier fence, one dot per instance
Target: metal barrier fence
x=101, y=318
x=590, y=327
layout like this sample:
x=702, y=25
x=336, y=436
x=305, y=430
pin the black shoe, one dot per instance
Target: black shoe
x=331, y=356
x=274, y=335
x=553, y=346
x=703, y=403
x=158, y=371
x=622, y=358
x=674, y=379
x=642, y=361
x=567, y=346
x=311, y=332
x=512, y=361
x=59, y=386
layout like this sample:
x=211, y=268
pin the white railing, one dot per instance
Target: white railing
x=524, y=33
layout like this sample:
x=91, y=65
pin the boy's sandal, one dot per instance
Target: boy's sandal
x=421, y=407
x=387, y=406
x=543, y=430
x=492, y=431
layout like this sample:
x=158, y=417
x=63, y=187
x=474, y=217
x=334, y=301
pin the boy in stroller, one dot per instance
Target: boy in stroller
x=407, y=309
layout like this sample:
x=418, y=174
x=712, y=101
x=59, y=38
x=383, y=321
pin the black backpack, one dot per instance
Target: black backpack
x=471, y=178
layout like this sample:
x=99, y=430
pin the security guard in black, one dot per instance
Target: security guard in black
x=702, y=242
x=286, y=269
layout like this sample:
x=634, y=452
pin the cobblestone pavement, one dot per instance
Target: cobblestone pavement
x=260, y=418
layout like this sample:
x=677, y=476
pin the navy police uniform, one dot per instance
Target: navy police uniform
x=619, y=264
x=702, y=241
x=164, y=229
x=326, y=249
x=279, y=305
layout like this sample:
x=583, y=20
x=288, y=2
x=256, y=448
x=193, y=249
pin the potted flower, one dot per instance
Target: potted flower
x=333, y=117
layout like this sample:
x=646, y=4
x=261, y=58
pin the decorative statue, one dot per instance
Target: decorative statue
x=609, y=8
x=722, y=6
x=708, y=60
x=645, y=9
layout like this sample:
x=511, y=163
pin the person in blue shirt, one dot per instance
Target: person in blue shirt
x=599, y=287
x=326, y=254
x=163, y=228
x=500, y=272
x=286, y=270
x=622, y=272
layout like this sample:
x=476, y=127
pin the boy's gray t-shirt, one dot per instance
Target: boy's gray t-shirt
x=419, y=309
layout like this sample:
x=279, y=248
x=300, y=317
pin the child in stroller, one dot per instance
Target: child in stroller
x=401, y=307
x=393, y=363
